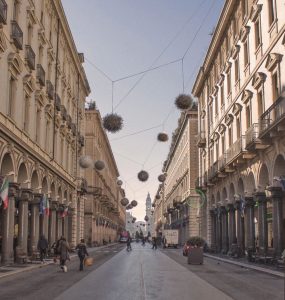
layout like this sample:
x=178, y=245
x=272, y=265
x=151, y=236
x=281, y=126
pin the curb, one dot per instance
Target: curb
x=37, y=266
x=248, y=266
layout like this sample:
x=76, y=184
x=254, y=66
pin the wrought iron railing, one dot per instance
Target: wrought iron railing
x=251, y=134
x=201, y=143
x=237, y=148
x=41, y=74
x=213, y=170
x=17, y=35
x=3, y=12
x=222, y=162
x=30, y=57
x=274, y=114
x=50, y=89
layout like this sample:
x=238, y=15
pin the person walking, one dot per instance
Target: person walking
x=129, y=246
x=42, y=247
x=82, y=252
x=63, y=250
x=154, y=243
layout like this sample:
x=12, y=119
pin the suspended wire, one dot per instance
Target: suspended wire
x=199, y=28
x=127, y=158
x=98, y=69
x=182, y=70
x=149, y=154
x=135, y=133
x=160, y=55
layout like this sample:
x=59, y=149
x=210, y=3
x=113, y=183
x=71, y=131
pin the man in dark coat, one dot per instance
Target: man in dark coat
x=82, y=252
x=63, y=250
x=43, y=247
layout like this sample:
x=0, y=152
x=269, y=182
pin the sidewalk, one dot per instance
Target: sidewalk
x=242, y=262
x=13, y=269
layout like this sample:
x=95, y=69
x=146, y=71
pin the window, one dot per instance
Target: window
x=275, y=87
x=229, y=82
x=217, y=150
x=238, y=128
x=248, y=117
x=244, y=8
x=12, y=96
x=16, y=10
x=211, y=114
x=47, y=139
x=236, y=70
x=260, y=103
x=38, y=124
x=223, y=144
x=61, y=150
x=257, y=34
x=216, y=106
x=222, y=95
x=26, y=113
x=41, y=53
x=246, y=57
x=30, y=35
x=271, y=11
x=230, y=133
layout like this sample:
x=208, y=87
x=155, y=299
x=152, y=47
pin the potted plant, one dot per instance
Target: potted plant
x=195, y=253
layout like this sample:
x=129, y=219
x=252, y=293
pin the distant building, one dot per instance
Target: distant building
x=149, y=228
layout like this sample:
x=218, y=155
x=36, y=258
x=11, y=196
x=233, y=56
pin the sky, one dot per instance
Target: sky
x=123, y=37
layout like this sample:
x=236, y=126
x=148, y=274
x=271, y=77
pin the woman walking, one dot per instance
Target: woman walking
x=82, y=252
x=63, y=250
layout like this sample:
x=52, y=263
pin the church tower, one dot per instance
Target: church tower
x=149, y=222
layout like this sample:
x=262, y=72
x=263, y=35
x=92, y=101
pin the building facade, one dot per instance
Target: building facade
x=43, y=90
x=104, y=214
x=240, y=88
x=181, y=205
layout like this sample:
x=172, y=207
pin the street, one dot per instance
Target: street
x=142, y=273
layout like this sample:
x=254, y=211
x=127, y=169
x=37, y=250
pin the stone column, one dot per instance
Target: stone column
x=52, y=222
x=249, y=221
x=35, y=225
x=277, y=198
x=213, y=229
x=23, y=220
x=225, y=238
x=240, y=226
x=8, y=226
x=232, y=224
x=218, y=229
x=262, y=222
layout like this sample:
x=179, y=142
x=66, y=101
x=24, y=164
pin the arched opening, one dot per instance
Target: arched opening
x=218, y=199
x=45, y=186
x=232, y=192
x=279, y=167
x=35, y=181
x=52, y=192
x=23, y=176
x=7, y=167
x=250, y=183
x=225, y=196
x=263, y=178
x=240, y=187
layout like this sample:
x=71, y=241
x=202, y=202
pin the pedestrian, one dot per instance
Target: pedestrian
x=63, y=250
x=129, y=246
x=42, y=247
x=154, y=243
x=82, y=252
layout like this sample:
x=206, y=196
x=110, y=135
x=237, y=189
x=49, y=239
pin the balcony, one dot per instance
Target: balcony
x=237, y=152
x=41, y=75
x=201, y=143
x=213, y=172
x=57, y=102
x=17, y=35
x=222, y=164
x=200, y=183
x=30, y=57
x=252, y=140
x=272, y=121
x=3, y=12
x=50, y=90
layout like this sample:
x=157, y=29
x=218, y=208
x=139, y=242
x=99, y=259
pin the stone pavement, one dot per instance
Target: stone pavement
x=142, y=274
x=13, y=269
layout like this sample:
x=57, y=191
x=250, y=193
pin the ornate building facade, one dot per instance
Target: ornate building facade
x=240, y=88
x=105, y=217
x=179, y=201
x=43, y=90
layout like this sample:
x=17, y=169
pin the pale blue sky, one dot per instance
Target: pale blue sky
x=123, y=37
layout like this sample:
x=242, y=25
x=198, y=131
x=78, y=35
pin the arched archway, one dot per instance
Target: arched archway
x=23, y=175
x=45, y=186
x=279, y=166
x=250, y=183
x=35, y=181
x=240, y=187
x=263, y=177
x=232, y=192
x=225, y=194
x=218, y=199
x=7, y=167
x=52, y=191
x=59, y=194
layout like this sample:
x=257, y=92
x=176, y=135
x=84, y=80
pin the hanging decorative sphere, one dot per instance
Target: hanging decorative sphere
x=157, y=196
x=153, y=204
x=119, y=182
x=125, y=201
x=162, y=137
x=183, y=101
x=133, y=221
x=134, y=203
x=134, y=218
x=129, y=206
x=146, y=218
x=143, y=175
x=113, y=122
x=85, y=162
x=99, y=165
x=161, y=178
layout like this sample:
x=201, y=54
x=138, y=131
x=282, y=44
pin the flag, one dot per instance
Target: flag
x=43, y=204
x=65, y=212
x=4, y=193
x=47, y=208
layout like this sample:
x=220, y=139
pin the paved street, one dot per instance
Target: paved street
x=142, y=274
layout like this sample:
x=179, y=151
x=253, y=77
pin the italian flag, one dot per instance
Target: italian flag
x=4, y=193
x=65, y=212
x=47, y=208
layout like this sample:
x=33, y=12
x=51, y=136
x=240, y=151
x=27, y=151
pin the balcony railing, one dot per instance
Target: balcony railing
x=222, y=162
x=236, y=149
x=201, y=143
x=272, y=117
x=251, y=135
x=30, y=57
x=50, y=89
x=41, y=75
x=213, y=170
x=200, y=182
x=17, y=35
x=57, y=102
x=3, y=12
